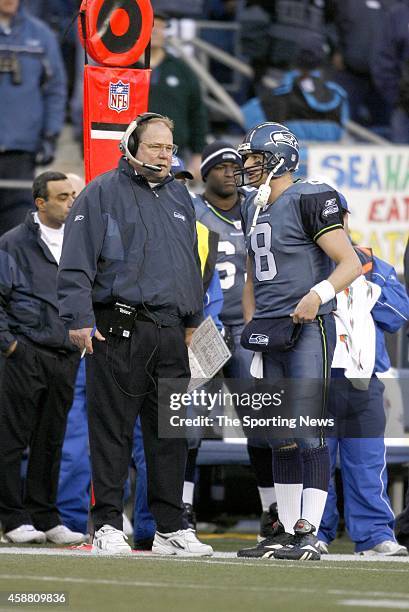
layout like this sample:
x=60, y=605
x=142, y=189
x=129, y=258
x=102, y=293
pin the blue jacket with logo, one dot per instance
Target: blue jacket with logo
x=33, y=101
x=125, y=241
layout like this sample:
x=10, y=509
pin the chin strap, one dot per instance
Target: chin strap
x=263, y=194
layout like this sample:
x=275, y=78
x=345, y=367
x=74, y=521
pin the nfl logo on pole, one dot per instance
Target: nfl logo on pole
x=118, y=96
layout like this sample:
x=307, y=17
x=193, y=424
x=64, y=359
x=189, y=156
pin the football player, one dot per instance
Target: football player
x=299, y=257
x=219, y=208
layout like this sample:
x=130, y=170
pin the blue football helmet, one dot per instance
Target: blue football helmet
x=278, y=146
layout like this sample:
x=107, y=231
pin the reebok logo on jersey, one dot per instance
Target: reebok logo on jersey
x=179, y=215
x=78, y=218
x=330, y=208
x=259, y=339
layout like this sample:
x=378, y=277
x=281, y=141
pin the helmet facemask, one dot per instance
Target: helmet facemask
x=257, y=171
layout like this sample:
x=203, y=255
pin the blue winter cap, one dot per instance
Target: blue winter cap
x=179, y=170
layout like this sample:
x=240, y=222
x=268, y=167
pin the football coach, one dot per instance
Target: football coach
x=130, y=290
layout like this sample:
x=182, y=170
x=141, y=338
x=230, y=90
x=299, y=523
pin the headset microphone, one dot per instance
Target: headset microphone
x=263, y=194
x=148, y=166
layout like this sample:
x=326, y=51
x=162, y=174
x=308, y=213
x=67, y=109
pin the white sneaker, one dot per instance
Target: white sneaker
x=387, y=548
x=110, y=541
x=62, y=535
x=183, y=542
x=323, y=547
x=24, y=535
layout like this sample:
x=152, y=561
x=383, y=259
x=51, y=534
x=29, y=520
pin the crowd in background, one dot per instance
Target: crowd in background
x=361, y=45
x=350, y=56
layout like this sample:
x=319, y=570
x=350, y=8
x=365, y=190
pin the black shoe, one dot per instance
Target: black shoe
x=143, y=544
x=303, y=546
x=403, y=539
x=267, y=547
x=189, y=517
x=267, y=521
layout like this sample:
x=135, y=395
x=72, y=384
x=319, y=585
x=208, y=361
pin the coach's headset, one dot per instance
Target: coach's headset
x=130, y=141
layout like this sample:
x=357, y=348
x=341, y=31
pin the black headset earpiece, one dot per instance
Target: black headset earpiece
x=130, y=139
x=132, y=146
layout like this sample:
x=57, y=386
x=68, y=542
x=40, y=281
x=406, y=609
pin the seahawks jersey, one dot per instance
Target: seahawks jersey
x=231, y=256
x=286, y=260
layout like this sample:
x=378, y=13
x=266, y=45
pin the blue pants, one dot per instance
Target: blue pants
x=368, y=515
x=310, y=360
x=75, y=470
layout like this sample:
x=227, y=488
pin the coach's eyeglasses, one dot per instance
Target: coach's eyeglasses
x=156, y=147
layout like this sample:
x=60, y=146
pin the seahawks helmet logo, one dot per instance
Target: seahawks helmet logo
x=284, y=138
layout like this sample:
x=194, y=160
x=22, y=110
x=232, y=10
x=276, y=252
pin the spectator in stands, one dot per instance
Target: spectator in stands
x=59, y=15
x=273, y=31
x=33, y=95
x=175, y=92
x=375, y=302
x=311, y=105
x=39, y=368
x=227, y=39
x=359, y=24
x=390, y=68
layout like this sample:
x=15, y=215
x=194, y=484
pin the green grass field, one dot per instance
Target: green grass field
x=222, y=584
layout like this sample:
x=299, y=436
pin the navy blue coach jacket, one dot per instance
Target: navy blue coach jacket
x=124, y=241
x=28, y=290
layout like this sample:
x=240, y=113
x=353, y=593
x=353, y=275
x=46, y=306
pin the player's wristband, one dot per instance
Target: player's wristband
x=325, y=291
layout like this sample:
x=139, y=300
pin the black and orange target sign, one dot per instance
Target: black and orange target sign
x=117, y=31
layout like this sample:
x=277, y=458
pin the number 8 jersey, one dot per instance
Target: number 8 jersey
x=286, y=258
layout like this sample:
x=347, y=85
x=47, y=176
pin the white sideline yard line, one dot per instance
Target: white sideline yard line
x=375, y=603
x=64, y=552
x=228, y=559
x=194, y=586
